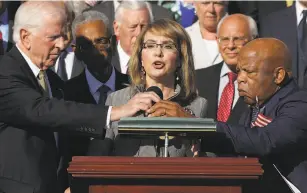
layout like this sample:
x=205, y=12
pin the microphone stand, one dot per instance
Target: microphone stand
x=165, y=144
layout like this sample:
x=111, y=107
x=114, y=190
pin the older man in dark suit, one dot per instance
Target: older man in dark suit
x=274, y=127
x=218, y=83
x=289, y=25
x=30, y=108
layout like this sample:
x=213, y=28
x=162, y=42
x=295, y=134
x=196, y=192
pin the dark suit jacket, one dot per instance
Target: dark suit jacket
x=207, y=83
x=282, y=142
x=27, y=121
x=283, y=26
x=77, y=68
x=115, y=59
x=77, y=89
x=258, y=10
x=107, y=7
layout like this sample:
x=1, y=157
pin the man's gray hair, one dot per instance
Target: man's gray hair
x=30, y=16
x=132, y=5
x=251, y=22
x=88, y=16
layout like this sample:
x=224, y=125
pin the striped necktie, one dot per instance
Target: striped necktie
x=42, y=82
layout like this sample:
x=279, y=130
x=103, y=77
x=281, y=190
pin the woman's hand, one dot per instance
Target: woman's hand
x=167, y=109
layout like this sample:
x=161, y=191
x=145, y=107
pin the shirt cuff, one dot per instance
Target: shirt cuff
x=108, y=117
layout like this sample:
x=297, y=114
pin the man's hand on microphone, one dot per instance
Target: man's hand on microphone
x=140, y=102
x=167, y=109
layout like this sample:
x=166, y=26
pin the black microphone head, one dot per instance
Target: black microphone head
x=156, y=90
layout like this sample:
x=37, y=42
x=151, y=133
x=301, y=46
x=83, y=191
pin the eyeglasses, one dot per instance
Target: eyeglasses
x=100, y=43
x=236, y=40
x=165, y=47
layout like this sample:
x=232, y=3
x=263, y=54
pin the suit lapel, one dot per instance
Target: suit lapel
x=246, y=118
x=121, y=80
x=275, y=99
x=115, y=60
x=77, y=67
x=25, y=68
x=290, y=34
x=237, y=111
x=207, y=81
x=215, y=87
x=56, y=84
x=86, y=94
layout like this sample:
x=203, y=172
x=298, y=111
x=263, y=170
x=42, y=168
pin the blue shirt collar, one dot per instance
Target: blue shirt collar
x=95, y=84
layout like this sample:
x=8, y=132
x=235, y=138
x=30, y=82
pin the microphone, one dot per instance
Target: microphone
x=156, y=90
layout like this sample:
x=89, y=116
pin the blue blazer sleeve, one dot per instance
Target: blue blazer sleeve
x=286, y=132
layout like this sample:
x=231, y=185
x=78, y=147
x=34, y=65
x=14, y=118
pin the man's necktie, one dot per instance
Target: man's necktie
x=42, y=82
x=1, y=44
x=62, y=66
x=302, y=49
x=226, y=100
x=103, y=90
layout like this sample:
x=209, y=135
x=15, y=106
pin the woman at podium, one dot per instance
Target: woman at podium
x=161, y=62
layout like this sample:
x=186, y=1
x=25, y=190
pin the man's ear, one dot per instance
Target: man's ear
x=116, y=28
x=279, y=75
x=25, y=38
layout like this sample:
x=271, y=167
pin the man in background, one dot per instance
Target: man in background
x=127, y=30
x=218, y=83
x=289, y=25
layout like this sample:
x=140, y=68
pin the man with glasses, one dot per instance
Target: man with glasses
x=218, y=83
x=99, y=78
x=130, y=18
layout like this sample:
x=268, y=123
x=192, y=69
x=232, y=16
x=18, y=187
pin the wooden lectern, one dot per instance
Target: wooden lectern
x=162, y=175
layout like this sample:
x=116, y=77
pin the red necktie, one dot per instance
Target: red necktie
x=226, y=100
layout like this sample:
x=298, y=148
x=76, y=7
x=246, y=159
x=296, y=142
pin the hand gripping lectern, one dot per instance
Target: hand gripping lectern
x=159, y=174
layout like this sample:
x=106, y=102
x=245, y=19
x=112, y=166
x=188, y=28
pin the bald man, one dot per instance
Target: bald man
x=218, y=83
x=274, y=128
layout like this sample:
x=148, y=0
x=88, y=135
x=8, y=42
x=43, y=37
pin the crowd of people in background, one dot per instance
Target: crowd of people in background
x=70, y=70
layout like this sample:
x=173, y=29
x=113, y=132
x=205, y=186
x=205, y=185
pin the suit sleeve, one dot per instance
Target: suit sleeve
x=285, y=133
x=22, y=105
